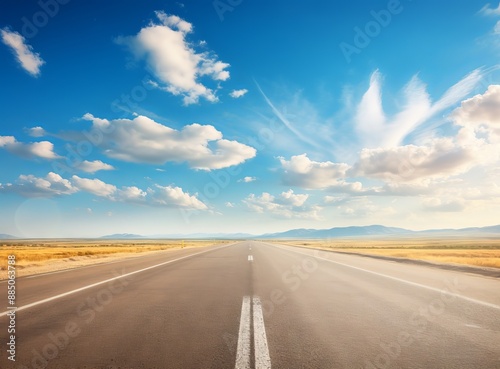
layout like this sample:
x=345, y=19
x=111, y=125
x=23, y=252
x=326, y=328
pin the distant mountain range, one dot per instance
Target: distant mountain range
x=379, y=230
x=302, y=233
x=123, y=236
x=336, y=232
x=6, y=236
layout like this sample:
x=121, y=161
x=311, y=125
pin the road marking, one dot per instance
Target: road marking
x=108, y=280
x=262, y=359
x=444, y=292
x=250, y=258
x=243, y=351
x=243, y=354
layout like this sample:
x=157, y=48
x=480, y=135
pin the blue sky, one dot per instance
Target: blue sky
x=167, y=117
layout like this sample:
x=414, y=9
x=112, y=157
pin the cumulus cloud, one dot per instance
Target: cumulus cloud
x=229, y=204
x=303, y=172
x=43, y=149
x=481, y=113
x=27, y=58
x=54, y=185
x=36, y=132
x=235, y=94
x=94, y=186
x=173, y=59
x=94, y=166
x=440, y=158
x=142, y=140
x=131, y=194
x=30, y=186
x=286, y=205
x=247, y=179
x=175, y=196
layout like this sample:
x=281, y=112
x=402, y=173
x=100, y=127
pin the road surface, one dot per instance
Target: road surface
x=254, y=305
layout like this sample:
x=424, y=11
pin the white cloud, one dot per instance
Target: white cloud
x=29, y=60
x=43, y=149
x=131, y=194
x=411, y=170
x=247, y=179
x=235, y=94
x=481, y=114
x=440, y=159
x=31, y=186
x=229, y=204
x=292, y=199
x=303, y=172
x=173, y=59
x=142, y=140
x=496, y=29
x=54, y=185
x=94, y=166
x=175, y=197
x=376, y=130
x=488, y=10
x=94, y=186
x=36, y=132
x=286, y=205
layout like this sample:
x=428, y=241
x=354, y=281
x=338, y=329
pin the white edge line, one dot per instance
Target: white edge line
x=262, y=359
x=243, y=350
x=470, y=299
x=107, y=280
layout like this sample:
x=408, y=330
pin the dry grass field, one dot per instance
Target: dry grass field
x=39, y=256
x=476, y=252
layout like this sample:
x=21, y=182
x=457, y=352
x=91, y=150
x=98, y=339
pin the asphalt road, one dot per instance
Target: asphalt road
x=254, y=305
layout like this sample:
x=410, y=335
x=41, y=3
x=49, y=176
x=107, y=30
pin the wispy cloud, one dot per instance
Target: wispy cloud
x=375, y=129
x=27, y=58
x=285, y=120
x=488, y=10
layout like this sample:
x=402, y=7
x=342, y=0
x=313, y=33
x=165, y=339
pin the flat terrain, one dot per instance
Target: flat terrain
x=43, y=256
x=475, y=252
x=255, y=305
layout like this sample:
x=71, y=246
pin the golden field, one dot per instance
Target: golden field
x=44, y=256
x=476, y=252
